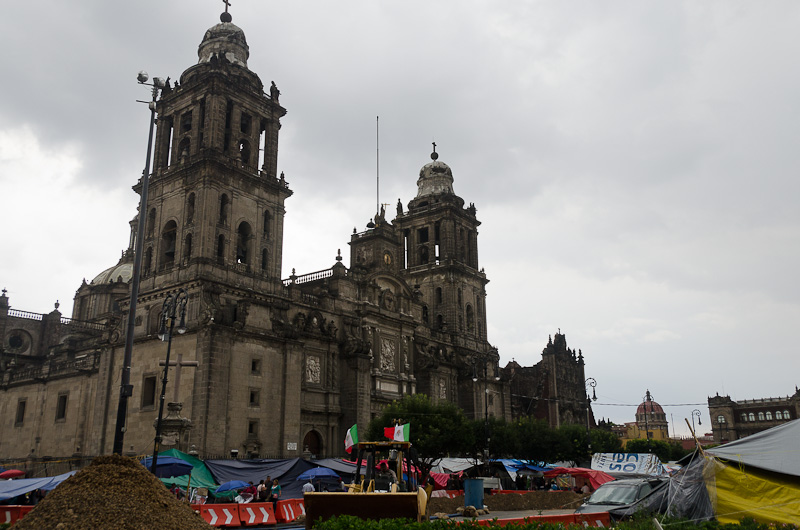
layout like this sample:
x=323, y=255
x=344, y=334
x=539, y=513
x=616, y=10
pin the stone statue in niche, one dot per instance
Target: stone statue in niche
x=387, y=355
x=442, y=389
x=313, y=370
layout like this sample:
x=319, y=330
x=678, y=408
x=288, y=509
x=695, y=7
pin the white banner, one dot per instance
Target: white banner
x=641, y=463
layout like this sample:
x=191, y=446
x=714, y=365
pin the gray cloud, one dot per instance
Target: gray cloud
x=633, y=165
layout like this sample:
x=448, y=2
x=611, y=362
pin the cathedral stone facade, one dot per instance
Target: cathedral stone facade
x=267, y=366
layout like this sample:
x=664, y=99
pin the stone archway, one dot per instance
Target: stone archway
x=312, y=443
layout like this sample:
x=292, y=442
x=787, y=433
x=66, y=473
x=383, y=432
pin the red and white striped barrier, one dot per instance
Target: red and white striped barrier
x=220, y=514
x=256, y=513
x=285, y=511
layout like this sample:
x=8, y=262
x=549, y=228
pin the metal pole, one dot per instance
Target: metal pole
x=590, y=382
x=174, y=306
x=126, y=389
x=157, y=444
x=646, y=426
x=486, y=409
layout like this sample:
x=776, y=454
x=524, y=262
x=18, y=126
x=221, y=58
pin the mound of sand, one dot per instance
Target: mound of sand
x=114, y=492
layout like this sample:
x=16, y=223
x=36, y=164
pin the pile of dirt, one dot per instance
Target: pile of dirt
x=114, y=492
x=532, y=500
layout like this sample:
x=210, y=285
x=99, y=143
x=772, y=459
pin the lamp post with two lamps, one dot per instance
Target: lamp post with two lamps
x=589, y=383
x=126, y=389
x=485, y=359
x=174, y=308
x=695, y=412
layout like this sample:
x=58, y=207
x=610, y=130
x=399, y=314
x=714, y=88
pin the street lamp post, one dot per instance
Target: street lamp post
x=647, y=399
x=484, y=360
x=126, y=389
x=695, y=412
x=174, y=307
x=589, y=383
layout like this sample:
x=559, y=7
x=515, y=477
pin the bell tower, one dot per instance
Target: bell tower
x=216, y=205
x=439, y=254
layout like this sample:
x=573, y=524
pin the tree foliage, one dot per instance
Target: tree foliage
x=436, y=429
x=665, y=451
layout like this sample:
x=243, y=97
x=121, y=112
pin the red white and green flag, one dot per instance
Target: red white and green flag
x=398, y=433
x=351, y=439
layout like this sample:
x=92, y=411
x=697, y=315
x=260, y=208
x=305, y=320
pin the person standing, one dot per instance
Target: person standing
x=275, y=493
x=308, y=487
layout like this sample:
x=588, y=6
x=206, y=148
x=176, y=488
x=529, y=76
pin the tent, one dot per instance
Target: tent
x=14, y=488
x=596, y=478
x=286, y=471
x=201, y=477
x=757, y=476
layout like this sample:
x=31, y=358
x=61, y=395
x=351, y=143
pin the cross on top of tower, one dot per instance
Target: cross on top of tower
x=226, y=17
x=434, y=155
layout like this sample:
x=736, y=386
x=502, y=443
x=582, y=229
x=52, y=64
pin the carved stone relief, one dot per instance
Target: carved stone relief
x=313, y=369
x=387, y=355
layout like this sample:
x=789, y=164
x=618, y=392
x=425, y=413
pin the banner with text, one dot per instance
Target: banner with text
x=641, y=463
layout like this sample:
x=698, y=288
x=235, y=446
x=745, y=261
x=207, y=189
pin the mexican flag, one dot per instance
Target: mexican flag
x=351, y=439
x=398, y=433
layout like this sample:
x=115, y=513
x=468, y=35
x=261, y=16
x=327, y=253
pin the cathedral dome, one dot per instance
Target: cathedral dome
x=122, y=271
x=435, y=178
x=225, y=39
x=649, y=405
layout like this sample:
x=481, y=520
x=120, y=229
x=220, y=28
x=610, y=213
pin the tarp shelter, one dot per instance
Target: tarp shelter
x=14, y=488
x=454, y=465
x=201, y=476
x=514, y=466
x=596, y=478
x=757, y=476
x=286, y=471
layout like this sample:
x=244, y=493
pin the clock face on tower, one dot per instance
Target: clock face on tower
x=387, y=258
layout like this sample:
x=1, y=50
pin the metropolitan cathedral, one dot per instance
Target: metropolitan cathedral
x=266, y=367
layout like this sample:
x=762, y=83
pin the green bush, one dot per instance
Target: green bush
x=638, y=522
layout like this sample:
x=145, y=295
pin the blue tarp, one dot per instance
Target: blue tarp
x=513, y=466
x=14, y=488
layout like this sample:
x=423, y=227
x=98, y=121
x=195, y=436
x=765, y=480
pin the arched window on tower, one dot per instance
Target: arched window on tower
x=439, y=322
x=470, y=319
x=190, y=209
x=244, y=152
x=187, y=247
x=267, y=223
x=151, y=223
x=221, y=249
x=148, y=261
x=264, y=262
x=168, y=238
x=184, y=149
x=425, y=314
x=243, y=237
x=224, y=206
x=423, y=254
x=439, y=295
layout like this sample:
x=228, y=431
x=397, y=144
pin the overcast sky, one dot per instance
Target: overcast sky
x=634, y=164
